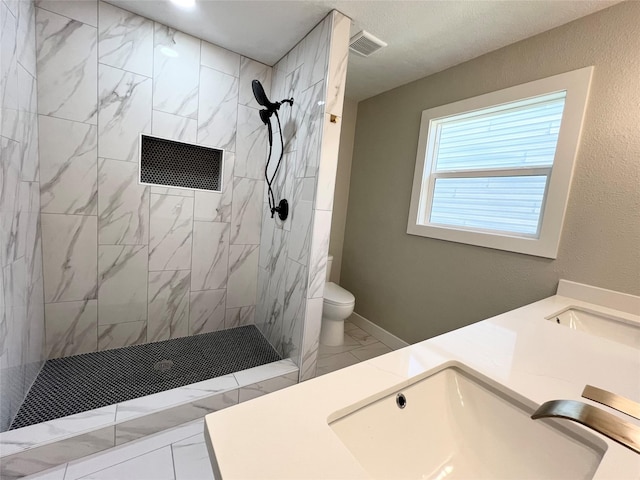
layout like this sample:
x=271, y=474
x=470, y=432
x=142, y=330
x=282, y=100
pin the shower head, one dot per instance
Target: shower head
x=258, y=92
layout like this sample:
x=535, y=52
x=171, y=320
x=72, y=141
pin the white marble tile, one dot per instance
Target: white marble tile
x=29, y=167
x=370, y=351
x=27, y=91
x=9, y=64
x=240, y=316
x=82, y=11
x=176, y=68
x=335, y=362
x=156, y=465
x=259, y=389
x=124, y=113
x=122, y=284
x=215, y=206
x=338, y=60
x=68, y=169
x=206, y=311
x=14, y=441
x=174, y=127
x=349, y=344
x=139, y=407
x=210, y=257
x=179, y=192
x=217, y=109
x=84, y=466
x=71, y=328
x=251, y=70
x=123, y=204
x=319, y=252
x=243, y=275
x=301, y=228
x=191, y=459
x=362, y=337
x=293, y=317
x=70, y=257
x=316, y=53
x=309, y=135
x=10, y=192
x=311, y=338
x=119, y=335
x=170, y=232
x=328, y=164
x=295, y=57
x=252, y=144
x=171, y=417
x=67, y=62
x=291, y=116
x=220, y=59
x=48, y=456
x=125, y=40
x=168, y=305
x=265, y=372
x=26, y=40
x=246, y=211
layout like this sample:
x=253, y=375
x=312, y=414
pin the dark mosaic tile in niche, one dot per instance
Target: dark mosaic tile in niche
x=79, y=383
x=176, y=164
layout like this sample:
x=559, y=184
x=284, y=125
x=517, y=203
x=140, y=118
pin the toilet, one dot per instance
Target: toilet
x=338, y=304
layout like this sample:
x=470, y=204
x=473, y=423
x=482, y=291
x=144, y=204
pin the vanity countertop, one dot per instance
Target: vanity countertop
x=285, y=435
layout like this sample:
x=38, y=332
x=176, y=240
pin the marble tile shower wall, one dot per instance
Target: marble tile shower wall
x=293, y=254
x=21, y=287
x=126, y=263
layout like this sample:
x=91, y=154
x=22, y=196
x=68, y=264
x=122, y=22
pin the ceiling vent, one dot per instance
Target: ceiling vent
x=365, y=44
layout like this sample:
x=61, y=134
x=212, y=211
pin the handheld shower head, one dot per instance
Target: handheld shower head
x=261, y=97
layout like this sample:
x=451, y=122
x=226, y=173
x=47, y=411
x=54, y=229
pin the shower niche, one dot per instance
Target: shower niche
x=169, y=163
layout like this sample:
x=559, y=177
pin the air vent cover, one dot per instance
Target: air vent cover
x=365, y=44
x=176, y=164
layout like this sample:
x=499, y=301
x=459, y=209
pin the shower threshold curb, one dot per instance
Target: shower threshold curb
x=35, y=448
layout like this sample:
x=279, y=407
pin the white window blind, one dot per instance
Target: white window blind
x=495, y=170
x=490, y=168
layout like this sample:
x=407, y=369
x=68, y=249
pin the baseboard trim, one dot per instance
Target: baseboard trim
x=389, y=339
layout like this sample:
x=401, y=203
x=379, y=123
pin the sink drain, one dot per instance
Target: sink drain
x=401, y=400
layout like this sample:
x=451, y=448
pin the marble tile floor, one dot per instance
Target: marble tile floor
x=179, y=453
x=358, y=346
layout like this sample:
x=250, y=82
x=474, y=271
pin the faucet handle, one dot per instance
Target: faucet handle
x=626, y=434
x=617, y=402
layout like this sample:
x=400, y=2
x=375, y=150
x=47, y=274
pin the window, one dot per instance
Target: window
x=495, y=170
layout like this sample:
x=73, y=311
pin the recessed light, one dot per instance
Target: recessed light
x=185, y=3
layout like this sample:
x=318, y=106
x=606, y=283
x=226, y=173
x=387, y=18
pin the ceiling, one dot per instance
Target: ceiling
x=424, y=37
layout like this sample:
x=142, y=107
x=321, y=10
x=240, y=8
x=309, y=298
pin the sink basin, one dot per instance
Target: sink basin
x=458, y=424
x=595, y=323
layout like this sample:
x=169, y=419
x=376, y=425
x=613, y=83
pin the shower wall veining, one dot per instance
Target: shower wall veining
x=21, y=288
x=125, y=263
x=293, y=254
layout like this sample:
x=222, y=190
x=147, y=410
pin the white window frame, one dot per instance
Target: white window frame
x=545, y=244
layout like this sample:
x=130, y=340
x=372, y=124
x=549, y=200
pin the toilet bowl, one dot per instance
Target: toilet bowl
x=337, y=305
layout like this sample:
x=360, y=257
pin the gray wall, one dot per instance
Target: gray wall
x=343, y=178
x=418, y=287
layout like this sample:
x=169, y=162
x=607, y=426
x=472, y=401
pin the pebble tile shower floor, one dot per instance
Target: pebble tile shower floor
x=70, y=385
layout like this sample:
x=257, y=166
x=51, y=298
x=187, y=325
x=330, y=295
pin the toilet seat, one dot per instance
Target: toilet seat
x=336, y=295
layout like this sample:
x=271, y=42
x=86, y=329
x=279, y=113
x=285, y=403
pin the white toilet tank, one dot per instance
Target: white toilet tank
x=329, y=262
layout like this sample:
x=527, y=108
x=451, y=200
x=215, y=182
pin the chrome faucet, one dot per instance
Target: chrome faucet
x=625, y=433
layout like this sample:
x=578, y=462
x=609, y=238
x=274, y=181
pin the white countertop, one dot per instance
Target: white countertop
x=285, y=435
